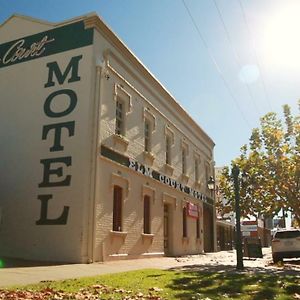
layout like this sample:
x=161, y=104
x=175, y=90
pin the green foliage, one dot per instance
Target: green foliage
x=272, y=165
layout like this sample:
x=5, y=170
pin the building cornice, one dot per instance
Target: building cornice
x=95, y=22
x=92, y=20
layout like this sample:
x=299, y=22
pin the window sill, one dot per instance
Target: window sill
x=185, y=178
x=121, y=234
x=120, y=140
x=197, y=184
x=185, y=240
x=169, y=169
x=148, y=158
x=147, y=237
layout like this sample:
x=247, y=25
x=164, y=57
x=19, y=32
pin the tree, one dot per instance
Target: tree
x=271, y=162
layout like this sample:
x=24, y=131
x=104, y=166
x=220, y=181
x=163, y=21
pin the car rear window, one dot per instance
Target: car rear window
x=287, y=234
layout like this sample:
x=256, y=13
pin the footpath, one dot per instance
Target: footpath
x=224, y=260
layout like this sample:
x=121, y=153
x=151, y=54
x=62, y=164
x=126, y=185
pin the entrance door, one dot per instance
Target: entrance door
x=166, y=229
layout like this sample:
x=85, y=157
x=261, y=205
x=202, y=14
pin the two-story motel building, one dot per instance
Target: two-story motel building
x=98, y=160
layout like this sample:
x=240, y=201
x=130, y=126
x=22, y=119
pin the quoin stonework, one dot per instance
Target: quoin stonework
x=98, y=160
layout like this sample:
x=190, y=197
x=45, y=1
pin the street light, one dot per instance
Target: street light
x=211, y=183
x=211, y=187
x=239, y=250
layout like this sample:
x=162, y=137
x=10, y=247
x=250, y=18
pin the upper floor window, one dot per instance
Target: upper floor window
x=147, y=133
x=183, y=160
x=123, y=107
x=119, y=117
x=149, y=128
x=168, y=150
x=207, y=173
x=169, y=143
x=197, y=169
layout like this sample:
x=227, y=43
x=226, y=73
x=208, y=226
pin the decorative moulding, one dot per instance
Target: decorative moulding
x=169, y=199
x=147, y=114
x=147, y=237
x=185, y=178
x=120, y=140
x=148, y=158
x=118, y=234
x=123, y=182
x=185, y=240
x=149, y=191
x=120, y=92
x=169, y=169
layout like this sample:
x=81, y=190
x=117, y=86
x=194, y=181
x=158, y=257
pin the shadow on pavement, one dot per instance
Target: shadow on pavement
x=7, y=262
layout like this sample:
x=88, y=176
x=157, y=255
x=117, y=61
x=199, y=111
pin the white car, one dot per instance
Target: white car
x=286, y=244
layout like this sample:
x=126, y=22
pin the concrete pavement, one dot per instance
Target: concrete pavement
x=28, y=275
x=209, y=261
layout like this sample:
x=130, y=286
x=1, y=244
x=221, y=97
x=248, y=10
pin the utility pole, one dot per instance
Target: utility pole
x=239, y=250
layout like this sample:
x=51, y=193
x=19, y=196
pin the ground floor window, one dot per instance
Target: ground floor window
x=198, y=228
x=184, y=222
x=147, y=219
x=117, y=208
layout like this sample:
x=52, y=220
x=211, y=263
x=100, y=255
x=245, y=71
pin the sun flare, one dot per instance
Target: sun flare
x=281, y=36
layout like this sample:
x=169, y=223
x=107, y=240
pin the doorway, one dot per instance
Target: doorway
x=166, y=229
x=208, y=231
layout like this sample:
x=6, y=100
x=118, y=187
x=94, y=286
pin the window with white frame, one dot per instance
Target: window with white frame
x=123, y=107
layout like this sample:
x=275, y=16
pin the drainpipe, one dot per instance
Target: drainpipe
x=95, y=161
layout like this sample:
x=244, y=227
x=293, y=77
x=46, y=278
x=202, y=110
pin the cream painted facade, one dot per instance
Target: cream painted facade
x=62, y=159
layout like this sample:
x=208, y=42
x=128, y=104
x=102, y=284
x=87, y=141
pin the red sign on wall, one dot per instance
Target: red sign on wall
x=192, y=210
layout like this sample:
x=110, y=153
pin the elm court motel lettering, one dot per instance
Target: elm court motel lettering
x=36, y=46
x=147, y=171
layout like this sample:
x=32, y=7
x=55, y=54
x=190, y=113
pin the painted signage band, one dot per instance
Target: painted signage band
x=45, y=43
x=147, y=171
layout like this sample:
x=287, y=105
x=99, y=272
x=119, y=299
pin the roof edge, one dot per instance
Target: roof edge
x=92, y=19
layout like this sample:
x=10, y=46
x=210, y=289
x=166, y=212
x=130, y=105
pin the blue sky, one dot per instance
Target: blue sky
x=241, y=64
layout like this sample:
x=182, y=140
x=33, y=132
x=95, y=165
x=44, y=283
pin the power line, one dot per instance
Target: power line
x=236, y=56
x=255, y=53
x=215, y=64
